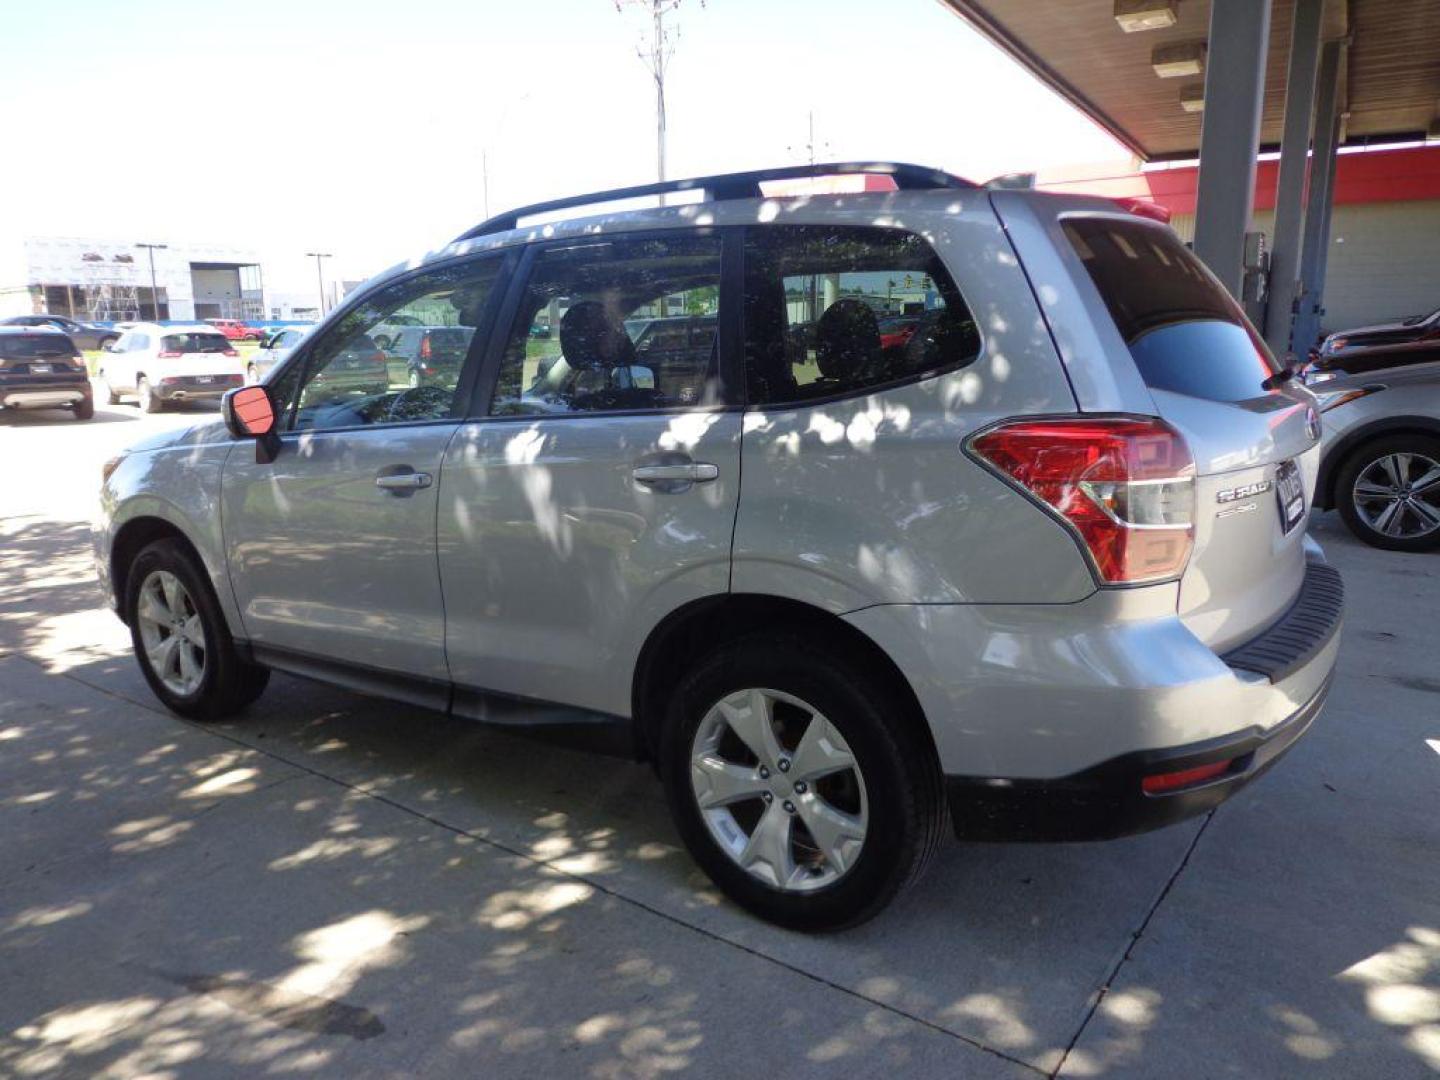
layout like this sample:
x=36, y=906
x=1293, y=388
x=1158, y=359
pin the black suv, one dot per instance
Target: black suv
x=41, y=368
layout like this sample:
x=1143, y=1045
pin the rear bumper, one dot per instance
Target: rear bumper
x=1107, y=800
x=44, y=396
x=187, y=388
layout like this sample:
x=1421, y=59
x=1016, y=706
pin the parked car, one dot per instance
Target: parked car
x=896, y=330
x=1380, y=465
x=274, y=348
x=159, y=364
x=40, y=368
x=384, y=334
x=85, y=335
x=1415, y=340
x=423, y=355
x=1044, y=577
x=236, y=329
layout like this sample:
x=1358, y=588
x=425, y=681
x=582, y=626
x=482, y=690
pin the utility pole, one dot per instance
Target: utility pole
x=656, y=58
x=150, y=250
x=319, y=274
x=811, y=146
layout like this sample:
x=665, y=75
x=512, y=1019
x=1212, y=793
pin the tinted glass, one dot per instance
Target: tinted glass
x=32, y=346
x=194, y=343
x=1185, y=332
x=635, y=328
x=818, y=305
x=349, y=379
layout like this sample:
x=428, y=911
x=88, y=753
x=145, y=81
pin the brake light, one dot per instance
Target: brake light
x=1162, y=783
x=169, y=354
x=1126, y=487
x=230, y=352
x=1144, y=208
x=425, y=347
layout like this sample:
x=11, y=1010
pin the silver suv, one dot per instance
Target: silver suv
x=1036, y=569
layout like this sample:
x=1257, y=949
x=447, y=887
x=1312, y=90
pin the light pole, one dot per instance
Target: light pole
x=320, y=274
x=150, y=250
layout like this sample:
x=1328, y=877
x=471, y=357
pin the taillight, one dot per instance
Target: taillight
x=1125, y=486
x=169, y=354
x=425, y=348
x=230, y=352
x=1144, y=208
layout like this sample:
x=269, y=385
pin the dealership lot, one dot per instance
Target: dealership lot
x=337, y=884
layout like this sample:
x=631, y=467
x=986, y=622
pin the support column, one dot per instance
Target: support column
x=1294, y=161
x=1317, y=208
x=1230, y=134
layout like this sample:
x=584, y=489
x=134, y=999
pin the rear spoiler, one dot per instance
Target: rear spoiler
x=1131, y=205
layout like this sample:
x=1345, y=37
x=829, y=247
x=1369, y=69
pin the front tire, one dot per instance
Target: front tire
x=798, y=784
x=111, y=397
x=181, y=641
x=1388, y=493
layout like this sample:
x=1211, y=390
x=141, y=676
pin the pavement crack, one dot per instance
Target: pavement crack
x=598, y=886
x=1130, y=949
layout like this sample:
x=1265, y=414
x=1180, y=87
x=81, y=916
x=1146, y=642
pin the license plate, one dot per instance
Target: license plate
x=205, y=378
x=1291, y=495
x=40, y=369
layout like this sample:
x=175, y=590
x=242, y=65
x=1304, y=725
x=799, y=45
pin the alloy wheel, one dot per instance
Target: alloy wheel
x=1398, y=495
x=779, y=789
x=172, y=632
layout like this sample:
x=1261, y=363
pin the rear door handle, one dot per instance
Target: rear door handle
x=690, y=472
x=403, y=482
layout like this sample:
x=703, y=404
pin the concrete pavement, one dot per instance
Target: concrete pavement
x=337, y=885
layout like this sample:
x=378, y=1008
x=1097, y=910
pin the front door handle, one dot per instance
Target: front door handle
x=402, y=483
x=690, y=472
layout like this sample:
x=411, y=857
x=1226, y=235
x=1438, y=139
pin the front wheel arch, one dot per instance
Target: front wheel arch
x=134, y=537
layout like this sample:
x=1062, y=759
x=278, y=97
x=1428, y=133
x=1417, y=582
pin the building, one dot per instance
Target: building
x=1383, y=255
x=114, y=280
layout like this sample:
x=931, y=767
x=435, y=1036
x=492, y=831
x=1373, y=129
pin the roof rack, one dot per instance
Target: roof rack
x=739, y=185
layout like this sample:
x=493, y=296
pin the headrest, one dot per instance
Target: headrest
x=847, y=339
x=590, y=337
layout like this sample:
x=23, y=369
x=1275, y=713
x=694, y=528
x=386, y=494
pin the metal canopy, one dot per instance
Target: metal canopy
x=1390, y=87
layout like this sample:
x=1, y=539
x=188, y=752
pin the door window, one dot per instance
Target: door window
x=839, y=310
x=349, y=380
x=615, y=326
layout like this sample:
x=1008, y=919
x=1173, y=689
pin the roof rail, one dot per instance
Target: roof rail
x=739, y=185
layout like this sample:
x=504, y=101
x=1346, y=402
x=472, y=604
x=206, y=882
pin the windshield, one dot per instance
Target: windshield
x=194, y=343
x=1184, y=331
x=31, y=346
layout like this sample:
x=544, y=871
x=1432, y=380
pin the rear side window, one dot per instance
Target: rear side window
x=1184, y=331
x=834, y=310
x=193, y=343
x=34, y=346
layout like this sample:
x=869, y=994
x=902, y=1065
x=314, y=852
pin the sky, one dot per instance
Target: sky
x=360, y=127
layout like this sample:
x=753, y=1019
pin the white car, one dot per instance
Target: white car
x=158, y=364
x=274, y=349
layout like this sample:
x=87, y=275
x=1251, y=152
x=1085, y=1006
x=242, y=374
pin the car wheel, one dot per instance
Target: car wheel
x=181, y=641
x=1388, y=492
x=414, y=380
x=106, y=341
x=798, y=785
x=111, y=397
x=85, y=409
x=252, y=376
x=149, y=400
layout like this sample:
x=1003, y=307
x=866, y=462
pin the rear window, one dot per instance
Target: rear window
x=188, y=343
x=1184, y=331
x=33, y=346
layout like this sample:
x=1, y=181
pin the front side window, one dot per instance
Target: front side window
x=351, y=379
x=839, y=310
x=616, y=325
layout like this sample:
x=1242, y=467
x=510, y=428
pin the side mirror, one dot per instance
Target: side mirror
x=249, y=413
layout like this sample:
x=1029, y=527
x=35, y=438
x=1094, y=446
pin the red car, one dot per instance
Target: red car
x=235, y=330
x=898, y=330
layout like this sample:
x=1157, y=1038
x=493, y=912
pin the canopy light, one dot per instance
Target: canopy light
x=1192, y=97
x=1173, y=61
x=1134, y=15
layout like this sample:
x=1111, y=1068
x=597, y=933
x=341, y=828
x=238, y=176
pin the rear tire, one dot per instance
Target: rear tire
x=227, y=683
x=1384, y=496
x=149, y=400
x=895, y=799
x=85, y=410
x=111, y=397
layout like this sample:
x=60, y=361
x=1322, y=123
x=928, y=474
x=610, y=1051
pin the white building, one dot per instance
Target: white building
x=87, y=278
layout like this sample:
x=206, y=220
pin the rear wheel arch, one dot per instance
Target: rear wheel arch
x=700, y=627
